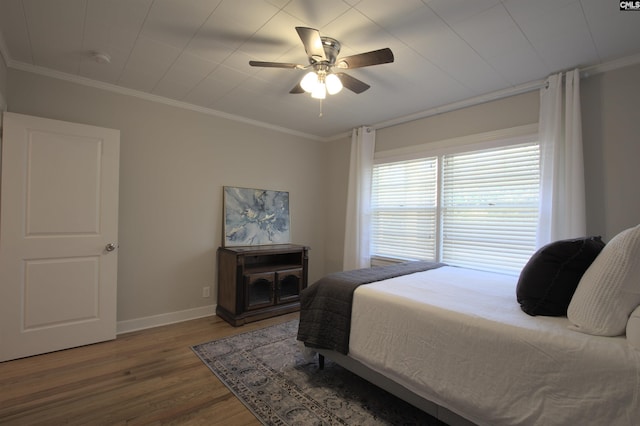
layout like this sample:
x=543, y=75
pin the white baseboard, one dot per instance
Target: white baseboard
x=128, y=326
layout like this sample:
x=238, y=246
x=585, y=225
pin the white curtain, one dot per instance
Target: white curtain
x=358, y=221
x=562, y=193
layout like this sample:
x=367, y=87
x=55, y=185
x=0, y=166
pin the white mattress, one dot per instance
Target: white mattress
x=459, y=338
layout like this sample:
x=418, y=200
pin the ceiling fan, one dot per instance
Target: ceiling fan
x=324, y=62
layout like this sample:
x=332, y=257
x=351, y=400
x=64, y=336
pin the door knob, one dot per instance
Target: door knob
x=110, y=247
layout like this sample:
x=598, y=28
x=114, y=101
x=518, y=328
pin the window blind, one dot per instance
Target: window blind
x=474, y=209
x=490, y=207
x=403, y=206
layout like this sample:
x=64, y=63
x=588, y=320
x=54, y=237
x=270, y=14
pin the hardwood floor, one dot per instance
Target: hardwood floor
x=145, y=377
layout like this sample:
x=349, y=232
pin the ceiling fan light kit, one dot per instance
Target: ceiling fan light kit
x=309, y=81
x=319, y=92
x=322, y=53
x=320, y=83
x=333, y=83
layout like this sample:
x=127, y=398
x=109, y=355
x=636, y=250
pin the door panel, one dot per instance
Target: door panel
x=58, y=212
x=63, y=199
x=47, y=285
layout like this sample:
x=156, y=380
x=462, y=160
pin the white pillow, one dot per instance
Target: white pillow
x=609, y=290
x=633, y=329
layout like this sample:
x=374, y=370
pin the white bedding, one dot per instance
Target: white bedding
x=459, y=338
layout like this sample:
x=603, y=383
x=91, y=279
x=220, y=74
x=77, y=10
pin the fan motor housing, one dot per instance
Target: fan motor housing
x=331, y=49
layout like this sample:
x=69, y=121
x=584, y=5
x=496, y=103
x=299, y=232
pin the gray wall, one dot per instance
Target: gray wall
x=3, y=83
x=173, y=165
x=339, y=152
x=611, y=137
x=496, y=115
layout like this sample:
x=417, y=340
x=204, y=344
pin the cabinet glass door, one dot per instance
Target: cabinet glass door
x=259, y=290
x=289, y=284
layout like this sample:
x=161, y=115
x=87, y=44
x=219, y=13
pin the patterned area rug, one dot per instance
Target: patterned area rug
x=267, y=371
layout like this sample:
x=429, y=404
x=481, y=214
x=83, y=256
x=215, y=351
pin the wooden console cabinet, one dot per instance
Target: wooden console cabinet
x=260, y=282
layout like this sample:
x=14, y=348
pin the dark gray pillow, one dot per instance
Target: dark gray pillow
x=550, y=277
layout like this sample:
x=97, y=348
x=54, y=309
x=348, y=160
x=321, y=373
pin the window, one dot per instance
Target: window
x=476, y=209
x=404, y=211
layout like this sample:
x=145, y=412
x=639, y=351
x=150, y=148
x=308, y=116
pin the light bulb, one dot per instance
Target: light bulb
x=309, y=82
x=334, y=85
x=319, y=92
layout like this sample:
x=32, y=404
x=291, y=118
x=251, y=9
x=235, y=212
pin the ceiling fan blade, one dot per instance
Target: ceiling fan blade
x=297, y=89
x=375, y=57
x=352, y=83
x=274, y=64
x=312, y=43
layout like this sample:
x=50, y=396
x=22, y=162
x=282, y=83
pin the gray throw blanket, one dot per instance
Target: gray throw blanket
x=325, y=306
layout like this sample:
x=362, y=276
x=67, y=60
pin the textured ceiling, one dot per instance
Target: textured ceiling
x=198, y=51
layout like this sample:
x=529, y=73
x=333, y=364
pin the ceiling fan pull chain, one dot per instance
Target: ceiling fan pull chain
x=320, y=109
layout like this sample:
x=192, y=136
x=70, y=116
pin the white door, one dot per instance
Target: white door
x=58, y=231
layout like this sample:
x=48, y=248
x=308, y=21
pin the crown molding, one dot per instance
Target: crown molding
x=611, y=65
x=477, y=100
x=511, y=91
x=465, y=103
x=151, y=97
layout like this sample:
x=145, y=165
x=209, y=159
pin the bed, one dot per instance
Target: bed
x=455, y=342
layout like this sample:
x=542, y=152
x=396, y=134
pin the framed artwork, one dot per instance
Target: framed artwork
x=254, y=217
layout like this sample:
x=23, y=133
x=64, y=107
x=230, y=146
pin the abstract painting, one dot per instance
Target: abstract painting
x=255, y=217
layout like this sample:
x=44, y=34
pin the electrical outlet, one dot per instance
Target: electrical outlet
x=206, y=291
